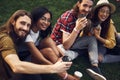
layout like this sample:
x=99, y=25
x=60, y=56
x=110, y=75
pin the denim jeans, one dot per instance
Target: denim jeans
x=118, y=39
x=89, y=43
x=110, y=55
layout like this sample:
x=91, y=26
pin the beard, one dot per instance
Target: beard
x=22, y=33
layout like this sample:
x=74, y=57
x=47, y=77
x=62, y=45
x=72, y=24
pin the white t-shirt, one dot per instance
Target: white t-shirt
x=33, y=37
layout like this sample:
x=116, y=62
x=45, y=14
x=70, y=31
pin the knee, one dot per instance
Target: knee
x=46, y=51
x=49, y=50
x=92, y=38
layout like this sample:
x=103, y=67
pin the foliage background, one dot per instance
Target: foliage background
x=57, y=7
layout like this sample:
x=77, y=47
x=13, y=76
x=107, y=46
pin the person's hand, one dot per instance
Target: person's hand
x=81, y=23
x=61, y=66
x=97, y=32
x=100, y=57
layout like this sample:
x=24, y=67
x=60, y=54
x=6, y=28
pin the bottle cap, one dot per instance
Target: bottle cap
x=78, y=74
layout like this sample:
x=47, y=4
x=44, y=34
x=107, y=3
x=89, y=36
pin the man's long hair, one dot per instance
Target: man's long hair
x=8, y=26
x=76, y=8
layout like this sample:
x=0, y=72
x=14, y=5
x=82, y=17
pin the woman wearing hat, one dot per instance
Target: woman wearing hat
x=106, y=33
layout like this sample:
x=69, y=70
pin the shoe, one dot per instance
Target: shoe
x=95, y=73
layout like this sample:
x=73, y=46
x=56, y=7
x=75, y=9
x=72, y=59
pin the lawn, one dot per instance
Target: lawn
x=8, y=7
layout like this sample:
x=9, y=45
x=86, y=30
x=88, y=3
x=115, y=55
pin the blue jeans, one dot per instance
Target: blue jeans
x=110, y=55
x=89, y=43
x=118, y=39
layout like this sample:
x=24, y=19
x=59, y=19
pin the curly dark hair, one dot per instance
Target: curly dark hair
x=105, y=25
x=37, y=13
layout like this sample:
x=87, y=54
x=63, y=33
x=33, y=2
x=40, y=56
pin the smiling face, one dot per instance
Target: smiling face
x=103, y=13
x=85, y=6
x=22, y=26
x=44, y=22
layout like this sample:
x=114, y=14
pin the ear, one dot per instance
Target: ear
x=13, y=22
x=78, y=3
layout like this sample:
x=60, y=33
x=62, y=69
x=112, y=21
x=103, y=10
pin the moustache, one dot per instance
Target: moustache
x=26, y=31
x=85, y=11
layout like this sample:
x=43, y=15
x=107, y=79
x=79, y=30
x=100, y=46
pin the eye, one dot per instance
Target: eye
x=105, y=11
x=45, y=19
x=85, y=5
x=49, y=20
x=22, y=22
x=28, y=25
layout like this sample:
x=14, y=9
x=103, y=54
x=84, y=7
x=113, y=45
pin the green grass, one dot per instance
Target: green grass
x=8, y=7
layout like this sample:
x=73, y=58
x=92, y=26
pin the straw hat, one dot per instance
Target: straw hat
x=105, y=2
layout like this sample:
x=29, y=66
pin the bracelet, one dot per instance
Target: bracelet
x=76, y=30
x=66, y=75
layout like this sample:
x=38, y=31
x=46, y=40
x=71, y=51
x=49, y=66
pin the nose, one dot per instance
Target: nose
x=46, y=21
x=105, y=13
x=87, y=9
x=26, y=28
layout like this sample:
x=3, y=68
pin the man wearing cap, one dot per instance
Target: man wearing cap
x=67, y=30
